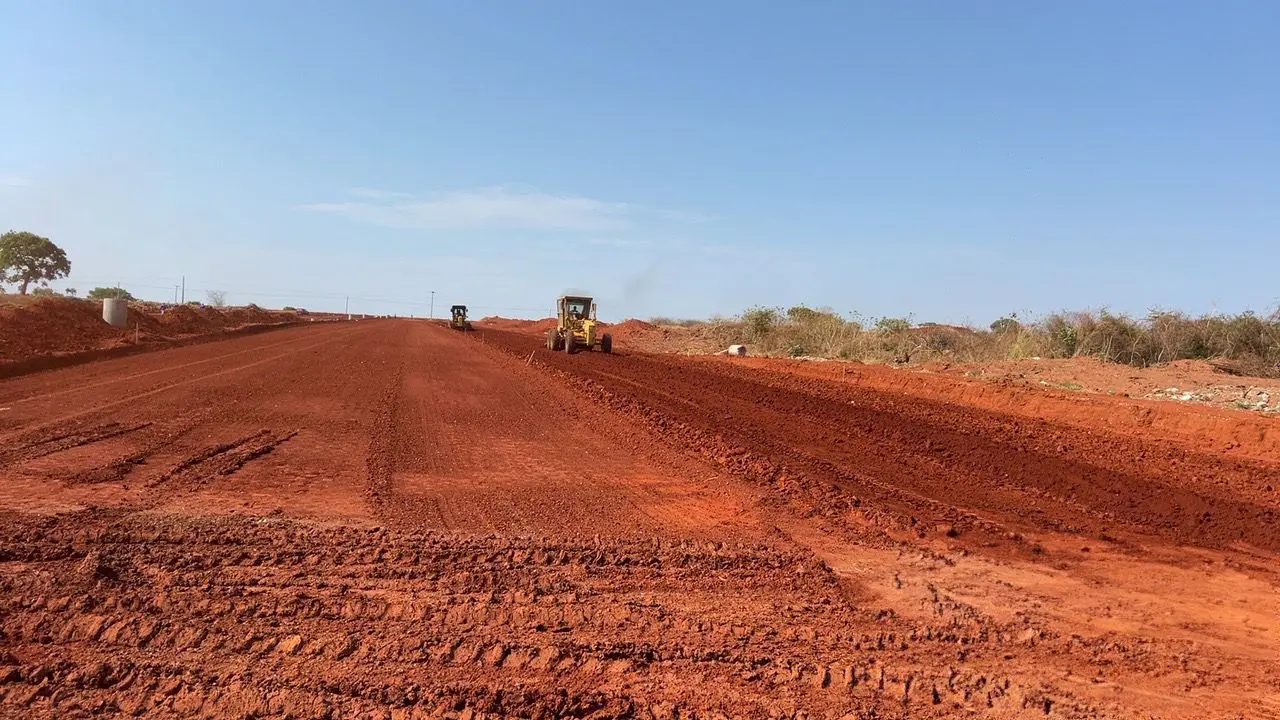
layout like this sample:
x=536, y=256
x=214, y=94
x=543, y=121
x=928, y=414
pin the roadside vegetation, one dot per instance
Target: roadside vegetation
x=1247, y=344
x=102, y=293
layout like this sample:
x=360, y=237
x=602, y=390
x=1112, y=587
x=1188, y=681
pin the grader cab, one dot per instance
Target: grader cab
x=577, y=327
x=458, y=318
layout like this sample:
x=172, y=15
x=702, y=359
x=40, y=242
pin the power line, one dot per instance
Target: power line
x=288, y=296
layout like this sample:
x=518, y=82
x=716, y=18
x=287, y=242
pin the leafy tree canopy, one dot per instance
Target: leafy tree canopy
x=27, y=258
x=100, y=293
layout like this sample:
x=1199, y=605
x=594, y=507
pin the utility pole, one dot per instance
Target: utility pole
x=347, y=307
x=433, y=305
x=175, y=293
x=184, y=288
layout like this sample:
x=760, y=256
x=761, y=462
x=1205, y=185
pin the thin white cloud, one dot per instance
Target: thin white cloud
x=686, y=217
x=616, y=242
x=375, y=194
x=10, y=180
x=483, y=208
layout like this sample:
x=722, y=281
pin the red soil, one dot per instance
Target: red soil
x=517, y=325
x=58, y=325
x=630, y=328
x=1205, y=429
x=1194, y=381
x=390, y=519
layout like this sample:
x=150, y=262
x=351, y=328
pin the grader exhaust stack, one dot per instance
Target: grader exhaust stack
x=577, y=327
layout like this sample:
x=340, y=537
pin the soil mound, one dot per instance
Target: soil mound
x=541, y=326
x=61, y=325
x=185, y=320
x=632, y=327
x=249, y=315
x=1195, y=366
x=53, y=325
x=497, y=322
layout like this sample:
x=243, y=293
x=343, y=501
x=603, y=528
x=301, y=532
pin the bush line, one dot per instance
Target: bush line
x=1245, y=344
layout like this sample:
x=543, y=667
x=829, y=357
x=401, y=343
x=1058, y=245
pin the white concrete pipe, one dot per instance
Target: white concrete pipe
x=116, y=312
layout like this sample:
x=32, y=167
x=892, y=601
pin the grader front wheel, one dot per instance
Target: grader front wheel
x=606, y=343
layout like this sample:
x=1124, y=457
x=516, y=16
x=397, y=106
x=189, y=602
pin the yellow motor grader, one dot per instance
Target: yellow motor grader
x=576, y=327
x=458, y=318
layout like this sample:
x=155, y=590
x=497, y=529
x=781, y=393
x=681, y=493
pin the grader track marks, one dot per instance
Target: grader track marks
x=225, y=458
x=66, y=438
x=380, y=612
x=147, y=445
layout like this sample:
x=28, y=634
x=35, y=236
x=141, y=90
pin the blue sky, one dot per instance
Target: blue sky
x=952, y=161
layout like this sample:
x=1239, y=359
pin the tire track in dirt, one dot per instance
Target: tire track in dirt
x=180, y=617
x=223, y=458
x=64, y=437
x=380, y=456
x=120, y=467
x=208, y=454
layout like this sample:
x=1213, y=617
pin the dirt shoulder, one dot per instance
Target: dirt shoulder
x=1188, y=381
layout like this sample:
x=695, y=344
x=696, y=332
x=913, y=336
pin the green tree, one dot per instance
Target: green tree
x=892, y=325
x=27, y=258
x=1006, y=324
x=801, y=313
x=101, y=293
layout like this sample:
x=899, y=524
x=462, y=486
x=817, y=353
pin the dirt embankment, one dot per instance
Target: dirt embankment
x=54, y=327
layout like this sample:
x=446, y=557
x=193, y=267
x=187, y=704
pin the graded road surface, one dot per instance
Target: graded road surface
x=390, y=519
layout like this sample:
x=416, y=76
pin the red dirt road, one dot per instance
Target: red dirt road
x=390, y=519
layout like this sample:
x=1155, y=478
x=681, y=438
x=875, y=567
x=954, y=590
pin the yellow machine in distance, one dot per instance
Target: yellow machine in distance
x=458, y=318
x=577, y=327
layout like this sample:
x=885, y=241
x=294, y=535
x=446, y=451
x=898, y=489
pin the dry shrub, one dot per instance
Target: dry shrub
x=1245, y=343
x=685, y=323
